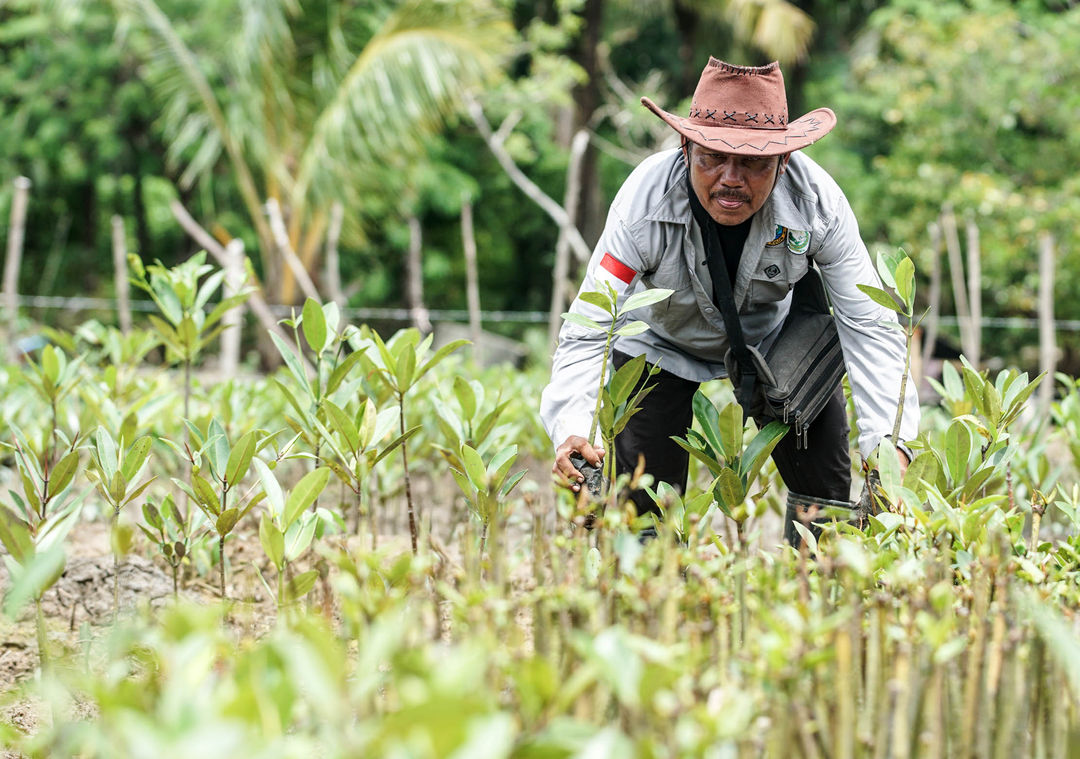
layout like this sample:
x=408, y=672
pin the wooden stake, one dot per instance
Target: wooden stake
x=120, y=273
x=1047, y=341
x=414, y=276
x=333, y=259
x=233, y=319
x=472, y=278
x=974, y=271
x=933, y=317
x=956, y=273
x=13, y=261
x=559, y=284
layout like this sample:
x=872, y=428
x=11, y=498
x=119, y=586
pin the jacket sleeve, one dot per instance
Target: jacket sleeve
x=874, y=348
x=568, y=402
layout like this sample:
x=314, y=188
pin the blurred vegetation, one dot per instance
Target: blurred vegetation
x=122, y=107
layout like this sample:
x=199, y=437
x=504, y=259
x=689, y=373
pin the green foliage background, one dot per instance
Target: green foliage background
x=971, y=103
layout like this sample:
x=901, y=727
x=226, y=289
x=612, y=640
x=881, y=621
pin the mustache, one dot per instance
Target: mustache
x=730, y=195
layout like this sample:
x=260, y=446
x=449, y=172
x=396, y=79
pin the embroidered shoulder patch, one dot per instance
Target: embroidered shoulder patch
x=797, y=241
x=781, y=235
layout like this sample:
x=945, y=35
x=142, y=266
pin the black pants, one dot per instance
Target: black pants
x=822, y=469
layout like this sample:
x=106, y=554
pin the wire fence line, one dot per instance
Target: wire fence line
x=84, y=303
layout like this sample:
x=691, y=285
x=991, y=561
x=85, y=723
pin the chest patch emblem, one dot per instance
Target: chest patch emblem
x=779, y=238
x=772, y=270
x=798, y=242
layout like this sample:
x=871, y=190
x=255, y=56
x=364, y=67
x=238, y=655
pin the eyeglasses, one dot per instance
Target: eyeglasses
x=710, y=162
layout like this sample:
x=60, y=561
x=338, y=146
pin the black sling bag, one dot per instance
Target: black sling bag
x=794, y=380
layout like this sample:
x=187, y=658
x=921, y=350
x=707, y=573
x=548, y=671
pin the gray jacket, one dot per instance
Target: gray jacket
x=654, y=241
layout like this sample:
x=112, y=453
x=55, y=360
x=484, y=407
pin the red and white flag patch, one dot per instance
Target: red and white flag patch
x=617, y=269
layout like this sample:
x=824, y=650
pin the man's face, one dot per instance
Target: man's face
x=732, y=188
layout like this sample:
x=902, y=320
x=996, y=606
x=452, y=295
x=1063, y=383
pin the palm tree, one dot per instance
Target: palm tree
x=302, y=102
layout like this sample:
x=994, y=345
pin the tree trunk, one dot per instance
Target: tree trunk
x=120, y=272
x=590, y=215
x=13, y=261
x=559, y=285
x=472, y=279
x=414, y=276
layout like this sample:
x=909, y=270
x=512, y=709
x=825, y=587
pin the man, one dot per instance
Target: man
x=774, y=211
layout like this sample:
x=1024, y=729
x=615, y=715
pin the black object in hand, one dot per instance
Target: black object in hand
x=594, y=477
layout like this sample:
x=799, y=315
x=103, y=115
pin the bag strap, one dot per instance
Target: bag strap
x=725, y=299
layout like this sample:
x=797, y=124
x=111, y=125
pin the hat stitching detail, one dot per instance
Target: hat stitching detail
x=743, y=70
x=729, y=116
x=751, y=117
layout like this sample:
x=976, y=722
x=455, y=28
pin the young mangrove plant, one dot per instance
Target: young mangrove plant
x=171, y=533
x=33, y=530
x=613, y=411
x=287, y=528
x=116, y=470
x=401, y=363
x=720, y=447
x=226, y=467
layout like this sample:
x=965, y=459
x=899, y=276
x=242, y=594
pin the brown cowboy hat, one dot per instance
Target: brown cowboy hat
x=743, y=110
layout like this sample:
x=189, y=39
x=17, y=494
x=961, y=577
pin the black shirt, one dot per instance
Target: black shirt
x=732, y=240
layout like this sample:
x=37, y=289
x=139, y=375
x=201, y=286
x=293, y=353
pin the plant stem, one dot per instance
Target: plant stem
x=909, y=334
x=408, y=484
x=42, y=637
x=600, y=388
x=221, y=565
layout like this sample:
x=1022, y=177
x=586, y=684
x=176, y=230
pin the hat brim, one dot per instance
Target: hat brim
x=803, y=131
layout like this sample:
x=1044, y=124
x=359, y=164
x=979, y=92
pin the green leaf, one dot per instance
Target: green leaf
x=63, y=473
x=299, y=536
x=136, y=457
x=633, y=328
x=341, y=422
x=924, y=470
x=760, y=448
x=905, y=282
x=600, y=300
x=341, y=371
x=227, y=521
x=405, y=369
x=106, y=454
x=583, y=321
x=272, y=540
x=292, y=361
x=882, y=298
x=623, y=381
x=241, y=455
x=271, y=487
x=15, y=536
x=466, y=396
x=645, y=298
x=152, y=516
x=36, y=576
x=313, y=324
x=729, y=489
x=957, y=451
x=730, y=428
x=302, y=584
x=474, y=467
x=309, y=488
x=708, y=419
x=205, y=495
x=439, y=355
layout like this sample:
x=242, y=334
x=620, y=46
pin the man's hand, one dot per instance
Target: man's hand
x=565, y=472
x=902, y=457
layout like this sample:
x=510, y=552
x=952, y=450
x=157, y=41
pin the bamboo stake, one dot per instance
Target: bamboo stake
x=333, y=257
x=974, y=271
x=933, y=317
x=234, y=318
x=1047, y=342
x=120, y=274
x=16, y=232
x=472, y=278
x=956, y=273
x=414, y=276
